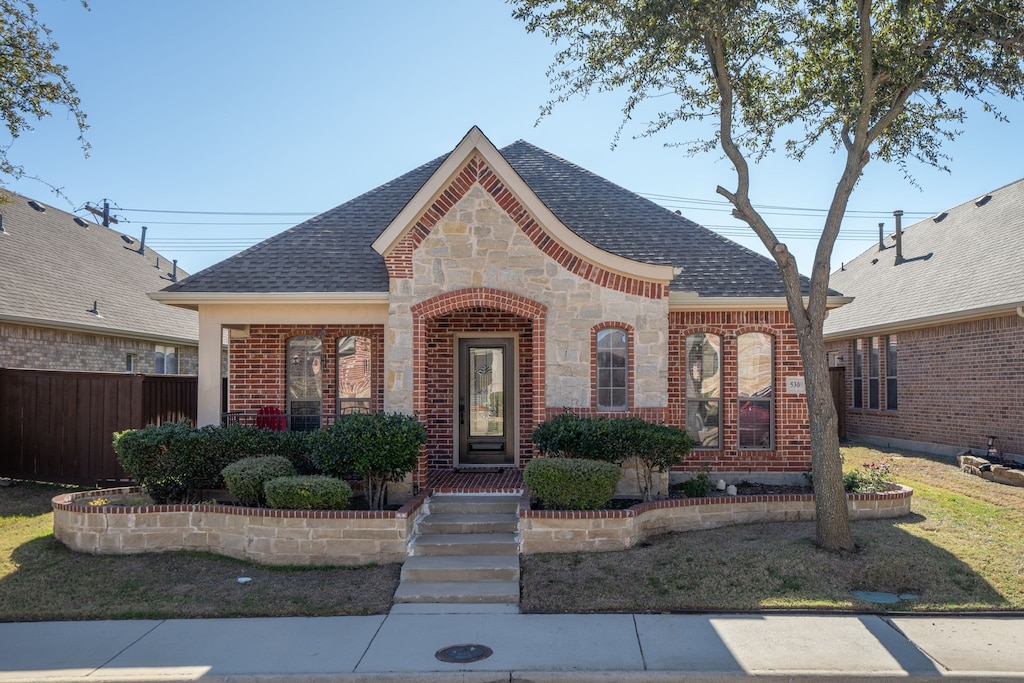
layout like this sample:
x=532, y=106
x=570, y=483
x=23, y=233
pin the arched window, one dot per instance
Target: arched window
x=704, y=389
x=756, y=385
x=354, y=375
x=305, y=382
x=612, y=369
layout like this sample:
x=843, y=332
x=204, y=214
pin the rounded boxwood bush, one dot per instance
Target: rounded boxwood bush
x=309, y=492
x=245, y=478
x=572, y=483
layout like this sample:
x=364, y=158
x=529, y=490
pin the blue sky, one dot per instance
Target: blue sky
x=293, y=108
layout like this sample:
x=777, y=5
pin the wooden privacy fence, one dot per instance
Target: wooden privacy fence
x=58, y=426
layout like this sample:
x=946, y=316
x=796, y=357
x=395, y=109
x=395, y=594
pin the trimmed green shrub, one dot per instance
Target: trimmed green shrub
x=571, y=436
x=245, y=478
x=308, y=492
x=697, y=486
x=378, y=447
x=174, y=462
x=572, y=483
x=652, y=447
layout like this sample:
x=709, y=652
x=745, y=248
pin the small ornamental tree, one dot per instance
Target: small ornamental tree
x=379, y=447
x=651, y=447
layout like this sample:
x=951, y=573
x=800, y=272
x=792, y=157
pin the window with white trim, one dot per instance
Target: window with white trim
x=166, y=360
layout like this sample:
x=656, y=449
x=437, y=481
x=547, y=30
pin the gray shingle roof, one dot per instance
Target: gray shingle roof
x=54, y=266
x=969, y=260
x=332, y=252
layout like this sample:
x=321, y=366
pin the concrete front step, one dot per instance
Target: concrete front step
x=467, y=523
x=448, y=568
x=473, y=504
x=458, y=591
x=465, y=544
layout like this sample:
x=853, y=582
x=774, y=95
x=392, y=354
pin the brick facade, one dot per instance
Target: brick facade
x=257, y=371
x=475, y=262
x=42, y=348
x=957, y=384
x=792, y=452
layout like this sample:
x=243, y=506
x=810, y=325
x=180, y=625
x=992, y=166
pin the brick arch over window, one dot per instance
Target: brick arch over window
x=474, y=298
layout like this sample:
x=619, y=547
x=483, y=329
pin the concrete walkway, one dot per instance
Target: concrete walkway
x=401, y=646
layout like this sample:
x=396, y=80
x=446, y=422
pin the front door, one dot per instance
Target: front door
x=485, y=403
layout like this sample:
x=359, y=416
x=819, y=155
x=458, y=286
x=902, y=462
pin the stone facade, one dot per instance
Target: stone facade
x=273, y=537
x=43, y=348
x=565, y=531
x=477, y=242
x=957, y=384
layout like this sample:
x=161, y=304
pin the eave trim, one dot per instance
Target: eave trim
x=927, y=321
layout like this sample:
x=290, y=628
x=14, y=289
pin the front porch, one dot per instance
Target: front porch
x=498, y=480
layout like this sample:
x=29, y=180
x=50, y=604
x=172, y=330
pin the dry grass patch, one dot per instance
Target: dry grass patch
x=960, y=549
x=40, y=579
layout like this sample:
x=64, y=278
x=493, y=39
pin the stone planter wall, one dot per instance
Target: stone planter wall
x=546, y=531
x=997, y=473
x=298, y=537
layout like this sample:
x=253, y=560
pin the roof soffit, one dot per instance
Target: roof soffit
x=476, y=143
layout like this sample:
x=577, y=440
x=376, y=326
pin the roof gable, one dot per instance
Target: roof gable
x=964, y=262
x=340, y=251
x=477, y=154
x=54, y=266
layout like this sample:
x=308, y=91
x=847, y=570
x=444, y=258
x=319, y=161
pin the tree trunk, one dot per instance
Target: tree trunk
x=832, y=517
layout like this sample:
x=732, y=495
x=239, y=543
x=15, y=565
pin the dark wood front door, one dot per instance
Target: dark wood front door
x=485, y=404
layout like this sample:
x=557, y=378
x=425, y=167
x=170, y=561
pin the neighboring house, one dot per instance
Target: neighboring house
x=489, y=290
x=73, y=296
x=933, y=343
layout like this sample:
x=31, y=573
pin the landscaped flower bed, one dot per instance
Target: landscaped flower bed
x=550, y=531
x=124, y=521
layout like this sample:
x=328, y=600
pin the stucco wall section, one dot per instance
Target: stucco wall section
x=477, y=244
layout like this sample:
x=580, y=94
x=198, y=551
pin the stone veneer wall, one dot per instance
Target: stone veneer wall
x=42, y=348
x=477, y=234
x=957, y=384
x=273, y=537
x=257, y=365
x=565, y=531
x=792, y=452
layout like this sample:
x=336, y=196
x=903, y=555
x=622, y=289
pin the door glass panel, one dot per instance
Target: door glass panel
x=487, y=398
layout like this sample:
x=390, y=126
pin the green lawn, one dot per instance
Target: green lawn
x=960, y=549
x=40, y=579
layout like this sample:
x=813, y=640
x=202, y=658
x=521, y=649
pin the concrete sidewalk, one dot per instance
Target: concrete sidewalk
x=402, y=645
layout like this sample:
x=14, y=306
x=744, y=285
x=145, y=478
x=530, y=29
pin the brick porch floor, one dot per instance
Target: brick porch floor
x=505, y=480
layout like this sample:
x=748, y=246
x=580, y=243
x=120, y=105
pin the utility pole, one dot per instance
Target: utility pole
x=104, y=213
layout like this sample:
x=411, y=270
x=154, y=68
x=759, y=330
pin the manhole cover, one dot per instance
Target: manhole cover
x=463, y=654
